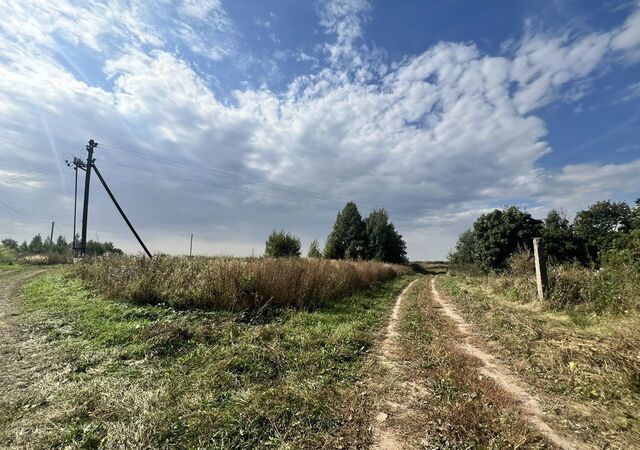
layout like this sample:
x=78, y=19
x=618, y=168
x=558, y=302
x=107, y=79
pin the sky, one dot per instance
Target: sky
x=229, y=119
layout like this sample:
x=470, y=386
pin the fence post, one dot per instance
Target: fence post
x=541, y=269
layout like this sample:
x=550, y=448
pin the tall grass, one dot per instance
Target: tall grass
x=613, y=288
x=232, y=283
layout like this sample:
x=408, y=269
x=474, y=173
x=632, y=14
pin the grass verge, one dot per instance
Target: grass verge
x=457, y=408
x=92, y=372
x=585, y=368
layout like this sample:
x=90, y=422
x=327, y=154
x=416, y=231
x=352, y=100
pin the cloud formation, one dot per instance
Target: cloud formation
x=435, y=138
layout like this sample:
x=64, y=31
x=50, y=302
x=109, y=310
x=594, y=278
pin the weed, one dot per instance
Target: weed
x=232, y=283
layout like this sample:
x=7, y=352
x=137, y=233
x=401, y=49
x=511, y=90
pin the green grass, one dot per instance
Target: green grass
x=6, y=268
x=586, y=368
x=111, y=374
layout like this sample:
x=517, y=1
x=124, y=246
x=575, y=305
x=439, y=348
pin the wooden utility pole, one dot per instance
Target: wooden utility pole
x=85, y=207
x=191, y=246
x=542, y=279
x=51, y=236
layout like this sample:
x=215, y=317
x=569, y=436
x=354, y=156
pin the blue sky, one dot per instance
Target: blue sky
x=228, y=119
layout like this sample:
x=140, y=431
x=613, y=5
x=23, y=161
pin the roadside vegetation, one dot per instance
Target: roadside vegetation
x=232, y=283
x=579, y=349
x=112, y=374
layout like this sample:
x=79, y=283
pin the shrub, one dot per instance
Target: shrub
x=615, y=287
x=232, y=283
x=7, y=255
x=281, y=244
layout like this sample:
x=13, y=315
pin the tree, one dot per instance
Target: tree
x=347, y=239
x=499, y=233
x=281, y=244
x=95, y=248
x=465, y=249
x=314, y=250
x=10, y=244
x=61, y=246
x=600, y=225
x=36, y=245
x=558, y=240
x=383, y=242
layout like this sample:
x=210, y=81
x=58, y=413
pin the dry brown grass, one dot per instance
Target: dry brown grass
x=233, y=283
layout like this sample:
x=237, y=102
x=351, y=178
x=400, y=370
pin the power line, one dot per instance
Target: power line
x=21, y=213
x=28, y=173
x=207, y=183
x=219, y=172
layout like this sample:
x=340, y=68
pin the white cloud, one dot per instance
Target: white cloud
x=628, y=36
x=439, y=137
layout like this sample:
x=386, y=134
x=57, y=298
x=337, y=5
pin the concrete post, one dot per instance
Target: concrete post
x=541, y=269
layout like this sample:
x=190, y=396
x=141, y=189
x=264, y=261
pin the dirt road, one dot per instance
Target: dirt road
x=10, y=282
x=400, y=405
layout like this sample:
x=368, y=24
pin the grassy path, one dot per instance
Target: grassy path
x=583, y=370
x=10, y=334
x=430, y=394
x=492, y=368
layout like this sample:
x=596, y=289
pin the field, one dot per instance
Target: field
x=111, y=374
x=306, y=353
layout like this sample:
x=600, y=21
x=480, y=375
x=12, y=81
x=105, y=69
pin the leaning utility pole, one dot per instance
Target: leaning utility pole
x=124, y=216
x=191, y=246
x=85, y=208
x=51, y=237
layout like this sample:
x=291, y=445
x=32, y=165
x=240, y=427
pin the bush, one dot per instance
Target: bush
x=232, y=283
x=615, y=287
x=7, y=255
x=280, y=244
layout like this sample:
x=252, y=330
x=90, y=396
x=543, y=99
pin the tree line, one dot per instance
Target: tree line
x=11, y=250
x=604, y=228
x=352, y=237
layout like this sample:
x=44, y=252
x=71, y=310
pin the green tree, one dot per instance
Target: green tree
x=314, y=250
x=465, y=249
x=499, y=233
x=347, y=239
x=383, y=242
x=281, y=244
x=10, y=244
x=61, y=246
x=95, y=248
x=36, y=245
x=558, y=240
x=600, y=225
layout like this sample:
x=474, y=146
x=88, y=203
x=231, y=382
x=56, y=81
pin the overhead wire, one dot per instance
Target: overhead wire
x=217, y=172
x=207, y=183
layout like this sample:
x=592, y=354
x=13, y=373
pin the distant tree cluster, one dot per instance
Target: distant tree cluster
x=351, y=238
x=372, y=238
x=11, y=250
x=602, y=228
